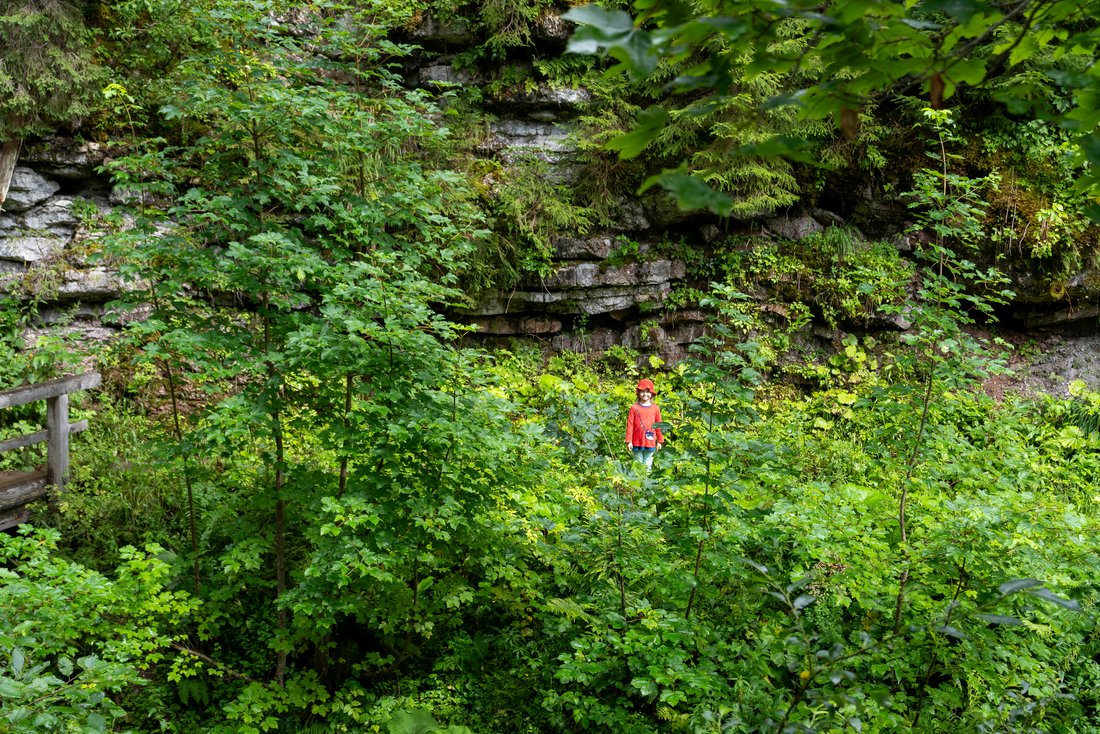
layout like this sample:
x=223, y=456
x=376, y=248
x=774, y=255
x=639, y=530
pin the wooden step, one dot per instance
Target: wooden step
x=11, y=518
x=18, y=488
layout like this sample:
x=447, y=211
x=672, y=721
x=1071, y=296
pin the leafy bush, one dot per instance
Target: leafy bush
x=74, y=642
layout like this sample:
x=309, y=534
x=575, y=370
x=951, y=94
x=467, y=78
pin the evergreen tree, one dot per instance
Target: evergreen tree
x=47, y=74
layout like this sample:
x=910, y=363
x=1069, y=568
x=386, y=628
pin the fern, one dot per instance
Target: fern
x=570, y=609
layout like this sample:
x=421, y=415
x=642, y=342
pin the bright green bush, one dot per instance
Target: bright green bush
x=73, y=642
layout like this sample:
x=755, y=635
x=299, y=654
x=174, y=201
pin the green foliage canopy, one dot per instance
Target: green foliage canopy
x=1032, y=57
x=70, y=637
x=47, y=72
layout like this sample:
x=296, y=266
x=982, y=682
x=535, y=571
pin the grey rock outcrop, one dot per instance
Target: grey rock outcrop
x=38, y=232
x=96, y=284
x=54, y=216
x=553, y=27
x=44, y=243
x=586, y=288
x=794, y=228
x=444, y=73
x=64, y=158
x=28, y=189
x=582, y=248
x=597, y=275
x=29, y=248
x=432, y=30
x=517, y=140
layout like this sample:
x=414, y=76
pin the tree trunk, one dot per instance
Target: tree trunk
x=9, y=155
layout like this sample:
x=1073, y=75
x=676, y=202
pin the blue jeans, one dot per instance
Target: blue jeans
x=644, y=455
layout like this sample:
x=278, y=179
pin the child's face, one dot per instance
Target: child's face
x=645, y=395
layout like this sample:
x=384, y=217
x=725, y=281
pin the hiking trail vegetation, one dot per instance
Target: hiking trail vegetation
x=308, y=500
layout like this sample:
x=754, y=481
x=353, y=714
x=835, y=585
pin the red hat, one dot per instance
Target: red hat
x=646, y=385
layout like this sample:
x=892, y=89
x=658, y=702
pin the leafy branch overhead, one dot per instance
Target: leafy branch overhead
x=1032, y=57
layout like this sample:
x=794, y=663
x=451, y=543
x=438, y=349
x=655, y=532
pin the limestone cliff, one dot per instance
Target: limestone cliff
x=605, y=284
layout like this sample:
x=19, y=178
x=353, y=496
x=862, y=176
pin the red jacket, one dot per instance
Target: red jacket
x=640, y=420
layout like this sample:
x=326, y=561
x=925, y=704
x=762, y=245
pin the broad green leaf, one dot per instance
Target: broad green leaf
x=1047, y=595
x=968, y=71
x=647, y=126
x=636, y=52
x=418, y=721
x=10, y=688
x=1011, y=587
x=96, y=722
x=691, y=192
x=608, y=22
x=611, y=32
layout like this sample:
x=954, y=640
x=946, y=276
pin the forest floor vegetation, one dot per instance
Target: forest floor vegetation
x=756, y=580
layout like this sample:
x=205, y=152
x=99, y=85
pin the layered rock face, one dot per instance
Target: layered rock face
x=587, y=302
x=593, y=297
x=596, y=298
x=559, y=306
x=46, y=243
x=35, y=224
x=604, y=288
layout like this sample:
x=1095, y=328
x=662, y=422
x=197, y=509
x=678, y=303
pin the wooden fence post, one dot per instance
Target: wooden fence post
x=57, y=446
x=18, y=488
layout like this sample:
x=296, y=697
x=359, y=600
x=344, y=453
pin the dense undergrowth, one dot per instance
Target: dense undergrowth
x=302, y=506
x=513, y=570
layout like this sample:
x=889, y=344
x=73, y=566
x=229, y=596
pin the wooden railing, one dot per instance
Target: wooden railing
x=17, y=489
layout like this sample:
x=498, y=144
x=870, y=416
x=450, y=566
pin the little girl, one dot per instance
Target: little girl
x=642, y=435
